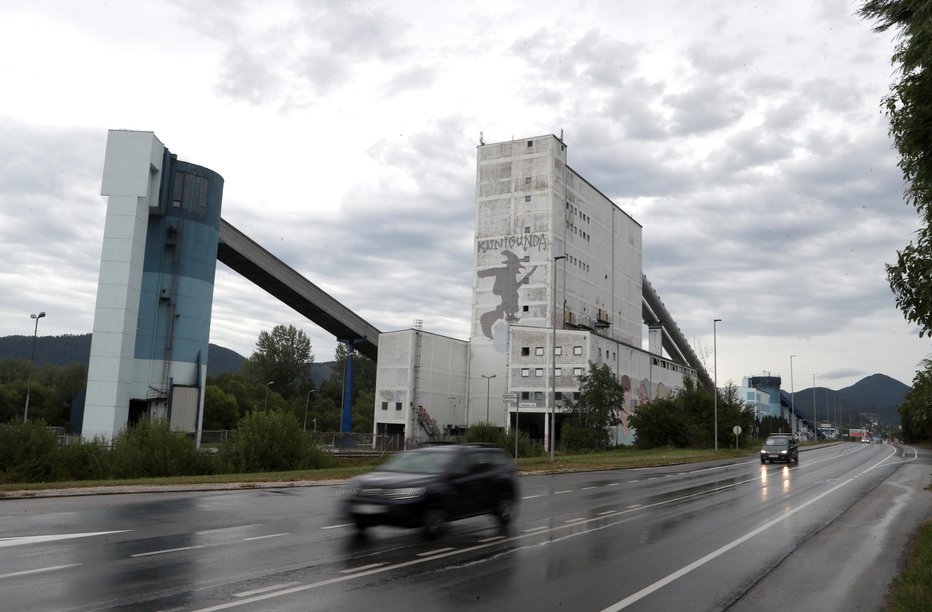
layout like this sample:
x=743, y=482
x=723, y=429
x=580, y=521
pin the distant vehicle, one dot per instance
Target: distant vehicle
x=429, y=486
x=779, y=447
x=865, y=440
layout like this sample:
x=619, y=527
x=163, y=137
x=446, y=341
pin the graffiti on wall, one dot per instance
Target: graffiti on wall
x=507, y=278
x=516, y=241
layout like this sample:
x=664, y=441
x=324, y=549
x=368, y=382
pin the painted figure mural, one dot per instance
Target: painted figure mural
x=505, y=286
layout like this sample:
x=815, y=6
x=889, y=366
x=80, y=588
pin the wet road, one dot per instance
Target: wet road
x=697, y=537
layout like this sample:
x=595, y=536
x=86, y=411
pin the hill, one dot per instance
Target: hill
x=69, y=349
x=876, y=398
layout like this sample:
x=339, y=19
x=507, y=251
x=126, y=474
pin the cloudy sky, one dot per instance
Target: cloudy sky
x=746, y=137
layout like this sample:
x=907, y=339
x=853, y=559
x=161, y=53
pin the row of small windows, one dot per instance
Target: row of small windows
x=190, y=191
x=385, y=405
x=578, y=232
x=576, y=262
x=539, y=351
x=539, y=395
x=578, y=212
x=539, y=372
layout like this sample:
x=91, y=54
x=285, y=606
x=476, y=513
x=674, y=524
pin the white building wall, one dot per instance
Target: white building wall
x=433, y=378
x=132, y=170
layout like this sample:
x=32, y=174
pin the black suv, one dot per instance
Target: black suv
x=780, y=447
x=428, y=486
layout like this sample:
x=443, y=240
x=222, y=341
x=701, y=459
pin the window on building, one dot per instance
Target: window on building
x=397, y=405
x=577, y=350
x=527, y=180
x=558, y=395
x=558, y=350
x=530, y=143
x=538, y=372
x=525, y=372
x=577, y=371
x=384, y=405
x=539, y=351
x=527, y=198
x=538, y=396
x=525, y=395
x=526, y=308
x=558, y=372
x=525, y=351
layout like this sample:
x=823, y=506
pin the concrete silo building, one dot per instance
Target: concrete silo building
x=557, y=285
x=153, y=312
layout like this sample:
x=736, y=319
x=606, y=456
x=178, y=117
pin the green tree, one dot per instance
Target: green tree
x=909, y=108
x=282, y=357
x=591, y=418
x=221, y=411
x=916, y=409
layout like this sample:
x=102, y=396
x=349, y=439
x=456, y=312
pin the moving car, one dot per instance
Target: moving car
x=429, y=486
x=779, y=447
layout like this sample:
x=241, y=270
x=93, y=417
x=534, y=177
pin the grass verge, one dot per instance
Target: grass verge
x=911, y=591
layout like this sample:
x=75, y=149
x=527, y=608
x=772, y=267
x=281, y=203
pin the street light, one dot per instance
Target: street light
x=306, y=402
x=35, y=334
x=488, y=383
x=553, y=354
x=792, y=399
x=815, y=421
x=715, y=380
x=271, y=382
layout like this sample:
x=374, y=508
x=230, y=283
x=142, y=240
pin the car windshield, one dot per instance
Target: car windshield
x=419, y=462
x=779, y=441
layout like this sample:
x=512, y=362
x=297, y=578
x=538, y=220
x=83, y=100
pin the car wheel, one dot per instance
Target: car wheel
x=434, y=521
x=763, y=461
x=796, y=459
x=361, y=525
x=505, y=510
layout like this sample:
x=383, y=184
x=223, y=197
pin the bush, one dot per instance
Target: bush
x=493, y=434
x=151, y=448
x=271, y=442
x=27, y=452
x=83, y=460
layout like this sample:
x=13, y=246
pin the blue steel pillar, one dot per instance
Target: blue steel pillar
x=346, y=422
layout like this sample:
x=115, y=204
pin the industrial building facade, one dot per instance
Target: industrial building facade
x=155, y=291
x=557, y=285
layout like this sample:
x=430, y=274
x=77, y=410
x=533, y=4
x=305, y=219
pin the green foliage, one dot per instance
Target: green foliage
x=151, y=448
x=283, y=357
x=598, y=409
x=83, y=460
x=492, y=434
x=26, y=451
x=909, y=108
x=221, y=410
x=912, y=589
x=916, y=409
x=51, y=391
x=270, y=442
x=687, y=419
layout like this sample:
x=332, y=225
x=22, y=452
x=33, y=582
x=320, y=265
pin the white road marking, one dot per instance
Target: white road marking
x=531, y=496
x=40, y=570
x=17, y=541
x=337, y=526
x=361, y=568
x=574, y=520
x=265, y=589
x=166, y=551
x=562, y=492
x=431, y=553
x=533, y=529
x=589, y=487
x=271, y=535
x=492, y=539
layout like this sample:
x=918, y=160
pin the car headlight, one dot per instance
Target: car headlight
x=783, y=452
x=405, y=493
x=763, y=451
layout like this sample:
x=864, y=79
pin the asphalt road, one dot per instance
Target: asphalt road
x=825, y=535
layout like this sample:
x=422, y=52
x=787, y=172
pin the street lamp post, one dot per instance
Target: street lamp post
x=553, y=355
x=488, y=383
x=815, y=421
x=271, y=382
x=792, y=399
x=306, y=402
x=715, y=381
x=35, y=335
